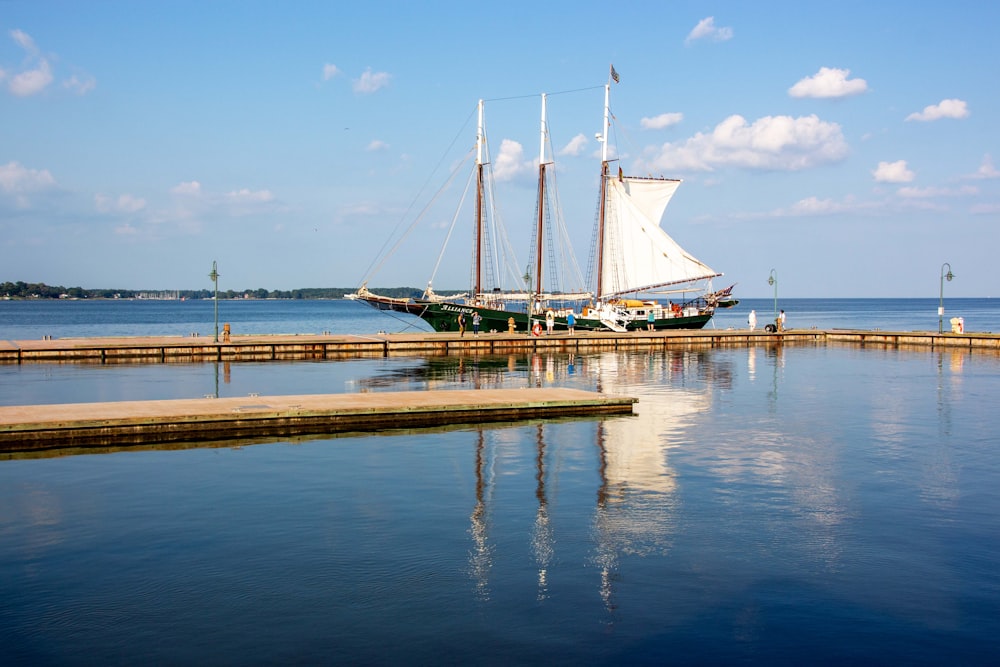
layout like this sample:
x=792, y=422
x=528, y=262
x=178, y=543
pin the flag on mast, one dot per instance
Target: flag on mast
x=614, y=74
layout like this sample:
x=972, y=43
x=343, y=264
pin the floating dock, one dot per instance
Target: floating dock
x=187, y=349
x=80, y=425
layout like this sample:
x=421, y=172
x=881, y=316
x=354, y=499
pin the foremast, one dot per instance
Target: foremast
x=480, y=202
x=602, y=207
x=540, y=226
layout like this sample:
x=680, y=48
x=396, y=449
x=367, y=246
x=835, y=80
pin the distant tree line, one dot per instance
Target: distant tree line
x=22, y=290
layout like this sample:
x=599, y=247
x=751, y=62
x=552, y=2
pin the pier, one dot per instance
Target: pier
x=190, y=349
x=80, y=425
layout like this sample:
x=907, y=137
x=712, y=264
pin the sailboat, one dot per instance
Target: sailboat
x=635, y=258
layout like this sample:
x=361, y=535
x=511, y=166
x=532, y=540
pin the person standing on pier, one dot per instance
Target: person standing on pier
x=650, y=319
x=781, y=321
x=461, y=324
x=571, y=322
x=752, y=320
x=476, y=320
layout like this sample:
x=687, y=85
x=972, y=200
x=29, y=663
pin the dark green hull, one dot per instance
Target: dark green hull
x=443, y=316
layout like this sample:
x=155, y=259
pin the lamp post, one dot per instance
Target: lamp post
x=773, y=280
x=949, y=276
x=214, y=275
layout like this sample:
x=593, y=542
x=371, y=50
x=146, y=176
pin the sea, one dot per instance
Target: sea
x=796, y=504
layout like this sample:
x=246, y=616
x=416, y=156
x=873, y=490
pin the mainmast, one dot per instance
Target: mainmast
x=480, y=140
x=604, y=190
x=541, y=205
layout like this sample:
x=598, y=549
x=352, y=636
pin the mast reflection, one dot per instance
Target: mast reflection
x=481, y=555
x=541, y=538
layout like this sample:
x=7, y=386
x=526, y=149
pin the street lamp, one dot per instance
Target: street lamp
x=773, y=280
x=949, y=276
x=214, y=275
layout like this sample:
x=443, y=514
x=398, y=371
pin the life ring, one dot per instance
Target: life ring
x=536, y=329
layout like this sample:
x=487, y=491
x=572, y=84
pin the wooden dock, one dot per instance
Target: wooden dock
x=41, y=427
x=187, y=349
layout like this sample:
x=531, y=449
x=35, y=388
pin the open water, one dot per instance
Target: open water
x=771, y=505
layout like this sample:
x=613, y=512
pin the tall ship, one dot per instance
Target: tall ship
x=641, y=278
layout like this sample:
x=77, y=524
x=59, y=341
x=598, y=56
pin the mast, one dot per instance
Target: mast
x=479, y=205
x=604, y=191
x=541, y=205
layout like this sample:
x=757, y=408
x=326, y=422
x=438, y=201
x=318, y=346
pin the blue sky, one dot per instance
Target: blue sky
x=851, y=147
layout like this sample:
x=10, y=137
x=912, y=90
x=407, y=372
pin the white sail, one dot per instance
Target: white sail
x=638, y=254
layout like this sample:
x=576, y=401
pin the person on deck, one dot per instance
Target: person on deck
x=650, y=319
x=550, y=321
x=781, y=321
x=461, y=324
x=476, y=321
x=752, y=320
x=570, y=322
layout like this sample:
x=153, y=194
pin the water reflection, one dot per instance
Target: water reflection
x=542, y=543
x=637, y=500
x=481, y=554
x=753, y=497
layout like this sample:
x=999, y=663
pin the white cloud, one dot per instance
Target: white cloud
x=953, y=108
x=773, y=142
x=575, y=146
x=80, y=86
x=36, y=74
x=828, y=82
x=371, y=81
x=31, y=82
x=377, y=145
x=893, y=172
x=812, y=206
x=16, y=179
x=246, y=196
x=661, y=121
x=929, y=192
x=330, y=71
x=188, y=188
x=24, y=41
x=986, y=169
x=510, y=163
x=123, y=204
x=985, y=209
x=706, y=29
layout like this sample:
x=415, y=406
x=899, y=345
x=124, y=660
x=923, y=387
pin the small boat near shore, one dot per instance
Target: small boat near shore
x=636, y=263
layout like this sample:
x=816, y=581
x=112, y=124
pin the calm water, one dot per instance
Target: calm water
x=801, y=505
x=26, y=320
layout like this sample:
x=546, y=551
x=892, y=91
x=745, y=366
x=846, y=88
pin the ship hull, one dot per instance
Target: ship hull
x=443, y=316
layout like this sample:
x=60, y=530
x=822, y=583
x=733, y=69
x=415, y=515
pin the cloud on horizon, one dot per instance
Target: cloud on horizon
x=893, y=172
x=952, y=108
x=36, y=75
x=661, y=121
x=510, y=163
x=329, y=71
x=576, y=145
x=706, y=29
x=828, y=82
x=370, y=82
x=779, y=143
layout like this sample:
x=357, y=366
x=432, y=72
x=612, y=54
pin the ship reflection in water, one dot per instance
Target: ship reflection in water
x=761, y=506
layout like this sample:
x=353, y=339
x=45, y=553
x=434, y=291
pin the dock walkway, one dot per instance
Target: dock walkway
x=163, y=349
x=40, y=427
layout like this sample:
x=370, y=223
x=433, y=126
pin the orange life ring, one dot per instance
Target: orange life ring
x=536, y=330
